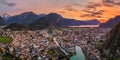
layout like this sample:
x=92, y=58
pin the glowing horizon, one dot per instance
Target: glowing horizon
x=101, y=10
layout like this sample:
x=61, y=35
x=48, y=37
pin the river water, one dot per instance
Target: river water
x=79, y=54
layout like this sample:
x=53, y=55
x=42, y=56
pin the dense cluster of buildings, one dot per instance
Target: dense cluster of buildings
x=41, y=44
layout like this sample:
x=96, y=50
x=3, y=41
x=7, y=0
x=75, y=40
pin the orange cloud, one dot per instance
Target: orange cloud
x=102, y=12
x=94, y=10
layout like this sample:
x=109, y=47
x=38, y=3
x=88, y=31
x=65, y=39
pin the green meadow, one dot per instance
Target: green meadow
x=5, y=39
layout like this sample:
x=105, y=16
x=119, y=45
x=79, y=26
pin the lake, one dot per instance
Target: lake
x=85, y=26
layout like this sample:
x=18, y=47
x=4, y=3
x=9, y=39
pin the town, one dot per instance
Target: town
x=49, y=44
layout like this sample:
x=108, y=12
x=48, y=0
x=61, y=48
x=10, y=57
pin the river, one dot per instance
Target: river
x=79, y=54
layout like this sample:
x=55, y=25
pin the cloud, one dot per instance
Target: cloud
x=63, y=12
x=93, y=5
x=108, y=1
x=11, y=4
x=67, y=6
x=111, y=2
x=7, y=6
x=70, y=8
x=75, y=4
x=7, y=3
x=91, y=10
x=93, y=13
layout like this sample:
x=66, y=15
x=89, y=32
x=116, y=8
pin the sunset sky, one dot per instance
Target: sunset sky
x=75, y=9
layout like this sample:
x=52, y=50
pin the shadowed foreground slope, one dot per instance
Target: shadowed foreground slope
x=111, y=47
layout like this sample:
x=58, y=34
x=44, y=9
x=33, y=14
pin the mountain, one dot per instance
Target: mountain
x=2, y=22
x=46, y=21
x=16, y=26
x=111, y=47
x=41, y=21
x=110, y=23
x=57, y=20
x=25, y=18
x=93, y=22
x=5, y=16
x=41, y=15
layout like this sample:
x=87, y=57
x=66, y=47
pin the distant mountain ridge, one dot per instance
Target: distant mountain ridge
x=110, y=23
x=93, y=22
x=25, y=18
x=57, y=20
x=5, y=16
x=32, y=20
x=2, y=22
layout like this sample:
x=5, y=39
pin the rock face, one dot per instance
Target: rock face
x=2, y=22
x=110, y=23
x=112, y=44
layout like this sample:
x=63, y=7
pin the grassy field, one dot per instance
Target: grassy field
x=7, y=57
x=5, y=39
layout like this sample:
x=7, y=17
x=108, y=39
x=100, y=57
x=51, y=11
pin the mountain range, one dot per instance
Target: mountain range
x=110, y=23
x=92, y=22
x=32, y=20
x=57, y=20
x=25, y=18
x=2, y=22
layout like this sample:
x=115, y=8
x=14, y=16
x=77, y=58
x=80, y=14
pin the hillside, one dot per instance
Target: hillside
x=16, y=26
x=111, y=47
x=110, y=23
